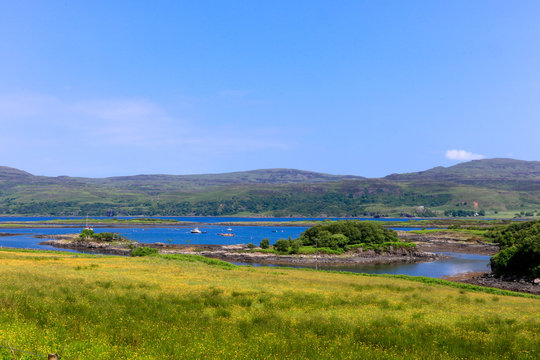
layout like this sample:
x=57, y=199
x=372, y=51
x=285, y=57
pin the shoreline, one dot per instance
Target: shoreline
x=241, y=252
x=449, y=242
x=490, y=280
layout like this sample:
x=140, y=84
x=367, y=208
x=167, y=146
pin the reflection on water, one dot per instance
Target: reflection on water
x=456, y=263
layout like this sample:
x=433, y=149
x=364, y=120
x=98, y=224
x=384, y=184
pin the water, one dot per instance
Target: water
x=172, y=235
x=201, y=219
x=456, y=263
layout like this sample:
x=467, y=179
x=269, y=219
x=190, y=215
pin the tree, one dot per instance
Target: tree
x=265, y=244
x=87, y=233
x=282, y=245
x=295, y=246
x=354, y=232
x=520, y=250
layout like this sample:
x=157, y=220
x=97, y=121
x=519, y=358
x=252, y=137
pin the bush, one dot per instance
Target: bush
x=265, y=244
x=282, y=245
x=295, y=246
x=251, y=246
x=104, y=236
x=339, y=234
x=143, y=251
x=520, y=250
x=87, y=233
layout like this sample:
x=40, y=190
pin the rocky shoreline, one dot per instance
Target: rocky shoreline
x=449, y=242
x=490, y=280
x=364, y=257
x=241, y=253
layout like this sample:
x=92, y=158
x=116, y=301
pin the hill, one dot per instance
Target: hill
x=504, y=186
x=488, y=169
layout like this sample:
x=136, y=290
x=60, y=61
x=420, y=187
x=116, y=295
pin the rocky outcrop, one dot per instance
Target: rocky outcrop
x=364, y=257
x=505, y=283
x=241, y=253
x=449, y=242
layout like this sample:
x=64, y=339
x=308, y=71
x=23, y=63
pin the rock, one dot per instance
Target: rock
x=536, y=281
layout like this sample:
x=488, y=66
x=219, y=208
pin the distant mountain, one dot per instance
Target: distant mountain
x=488, y=169
x=8, y=173
x=193, y=182
x=487, y=185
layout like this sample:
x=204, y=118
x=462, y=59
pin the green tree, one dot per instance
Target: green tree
x=87, y=234
x=295, y=246
x=354, y=232
x=520, y=250
x=282, y=245
x=265, y=244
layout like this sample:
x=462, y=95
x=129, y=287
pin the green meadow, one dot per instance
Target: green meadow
x=190, y=307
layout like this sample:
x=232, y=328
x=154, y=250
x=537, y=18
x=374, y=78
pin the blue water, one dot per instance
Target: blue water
x=457, y=263
x=176, y=235
x=201, y=219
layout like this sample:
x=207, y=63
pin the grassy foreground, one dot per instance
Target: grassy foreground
x=105, y=307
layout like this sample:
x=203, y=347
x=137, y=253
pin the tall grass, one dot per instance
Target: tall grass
x=181, y=307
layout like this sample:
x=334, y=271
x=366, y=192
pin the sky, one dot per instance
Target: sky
x=369, y=88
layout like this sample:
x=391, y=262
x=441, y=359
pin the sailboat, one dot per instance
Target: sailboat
x=88, y=227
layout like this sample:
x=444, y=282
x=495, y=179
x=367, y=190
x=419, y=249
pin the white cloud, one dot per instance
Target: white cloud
x=462, y=155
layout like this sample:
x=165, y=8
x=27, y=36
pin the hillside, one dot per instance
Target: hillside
x=190, y=307
x=492, y=185
x=488, y=170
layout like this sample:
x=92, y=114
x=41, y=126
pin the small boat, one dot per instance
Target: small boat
x=229, y=229
x=196, y=231
x=226, y=234
x=88, y=227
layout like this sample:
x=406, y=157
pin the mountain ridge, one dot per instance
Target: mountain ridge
x=491, y=185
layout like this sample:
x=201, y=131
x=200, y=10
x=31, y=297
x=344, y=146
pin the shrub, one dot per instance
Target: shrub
x=282, y=245
x=143, y=251
x=265, y=244
x=338, y=234
x=520, y=250
x=295, y=246
x=251, y=246
x=87, y=233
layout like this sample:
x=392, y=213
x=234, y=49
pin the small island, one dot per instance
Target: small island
x=331, y=243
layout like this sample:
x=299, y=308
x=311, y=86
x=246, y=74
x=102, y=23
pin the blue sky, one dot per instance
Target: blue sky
x=367, y=88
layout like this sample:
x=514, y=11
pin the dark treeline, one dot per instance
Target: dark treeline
x=520, y=249
x=334, y=203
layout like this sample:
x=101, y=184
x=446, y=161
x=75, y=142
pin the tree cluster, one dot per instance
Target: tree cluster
x=340, y=234
x=104, y=236
x=520, y=250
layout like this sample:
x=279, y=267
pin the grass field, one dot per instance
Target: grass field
x=176, y=307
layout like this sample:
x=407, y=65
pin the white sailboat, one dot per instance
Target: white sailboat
x=87, y=227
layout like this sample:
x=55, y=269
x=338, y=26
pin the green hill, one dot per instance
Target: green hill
x=504, y=186
x=486, y=170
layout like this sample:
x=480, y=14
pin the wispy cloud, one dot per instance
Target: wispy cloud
x=462, y=155
x=105, y=130
x=133, y=122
